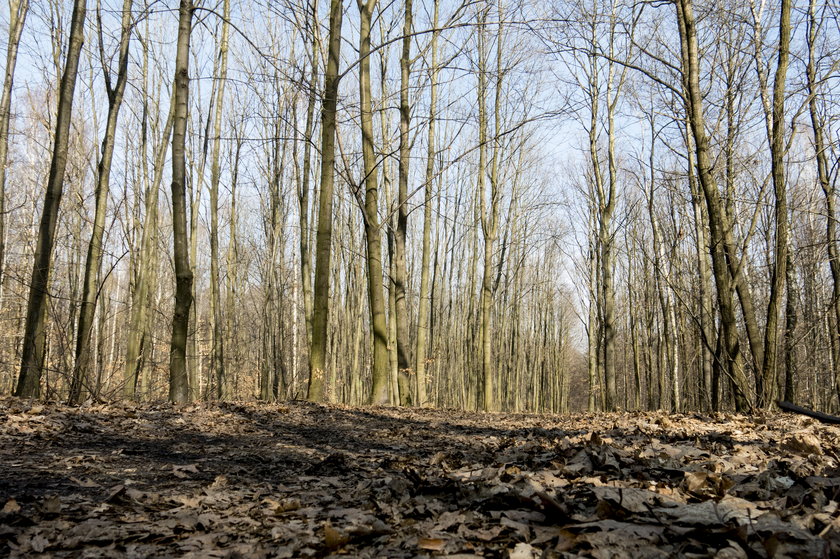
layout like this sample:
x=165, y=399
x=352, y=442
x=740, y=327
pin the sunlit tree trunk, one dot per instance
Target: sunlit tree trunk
x=428, y=188
x=404, y=363
x=766, y=379
x=34, y=336
x=373, y=232
x=721, y=243
x=321, y=293
x=179, y=389
x=304, y=184
x=17, y=17
x=93, y=263
x=818, y=126
x=218, y=354
x=489, y=214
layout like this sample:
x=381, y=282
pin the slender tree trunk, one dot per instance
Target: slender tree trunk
x=138, y=321
x=791, y=319
x=373, y=232
x=179, y=389
x=34, y=337
x=218, y=356
x=425, y=299
x=303, y=191
x=404, y=363
x=823, y=176
x=592, y=328
x=489, y=216
x=777, y=272
x=17, y=17
x=662, y=282
x=232, y=268
x=321, y=294
x=720, y=236
x=93, y=264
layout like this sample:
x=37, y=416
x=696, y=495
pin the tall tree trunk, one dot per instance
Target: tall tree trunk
x=232, y=267
x=424, y=299
x=768, y=373
x=179, y=389
x=93, y=264
x=17, y=17
x=34, y=337
x=400, y=306
x=303, y=190
x=489, y=216
x=373, y=232
x=218, y=355
x=791, y=318
x=823, y=176
x=592, y=328
x=138, y=321
x=721, y=243
x=321, y=294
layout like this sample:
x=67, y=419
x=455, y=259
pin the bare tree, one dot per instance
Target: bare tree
x=93, y=264
x=323, y=247
x=179, y=389
x=218, y=361
x=17, y=17
x=428, y=188
x=34, y=337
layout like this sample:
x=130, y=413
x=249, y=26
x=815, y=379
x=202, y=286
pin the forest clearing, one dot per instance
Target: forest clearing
x=307, y=480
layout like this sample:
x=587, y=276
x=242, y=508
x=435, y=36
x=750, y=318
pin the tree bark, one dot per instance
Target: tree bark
x=778, y=275
x=218, y=355
x=428, y=188
x=34, y=337
x=823, y=177
x=179, y=389
x=404, y=364
x=17, y=17
x=93, y=263
x=379, y=394
x=303, y=191
x=721, y=244
x=321, y=294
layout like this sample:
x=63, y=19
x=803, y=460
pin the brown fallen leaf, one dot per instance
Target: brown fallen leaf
x=84, y=482
x=333, y=539
x=802, y=443
x=524, y=551
x=11, y=507
x=52, y=505
x=184, y=472
x=115, y=492
x=39, y=543
x=281, y=506
x=431, y=544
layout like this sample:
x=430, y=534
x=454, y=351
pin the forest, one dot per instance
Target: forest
x=507, y=279
x=481, y=205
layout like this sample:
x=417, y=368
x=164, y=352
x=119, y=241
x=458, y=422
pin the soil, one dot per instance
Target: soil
x=306, y=480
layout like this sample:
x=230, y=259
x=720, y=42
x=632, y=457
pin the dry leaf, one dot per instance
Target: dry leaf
x=431, y=544
x=11, y=506
x=52, y=505
x=333, y=539
x=524, y=551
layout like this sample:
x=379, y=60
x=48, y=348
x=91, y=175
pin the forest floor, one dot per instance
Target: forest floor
x=301, y=480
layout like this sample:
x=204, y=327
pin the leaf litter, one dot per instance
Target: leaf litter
x=303, y=480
